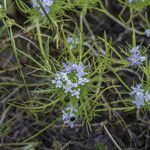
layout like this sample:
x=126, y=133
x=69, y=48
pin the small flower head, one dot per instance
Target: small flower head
x=45, y=3
x=130, y=1
x=133, y=1
x=147, y=32
x=71, y=78
x=139, y=99
x=136, y=58
x=136, y=89
x=135, y=50
x=69, y=115
x=140, y=96
x=147, y=96
x=73, y=42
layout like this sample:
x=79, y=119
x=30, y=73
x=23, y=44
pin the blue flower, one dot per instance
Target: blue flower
x=136, y=89
x=59, y=84
x=73, y=42
x=139, y=99
x=147, y=32
x=82, y=81
x=140, y=96
x=136, y=57
x=45, y=3
x=69, y=115
x=80, y=70
x=131, y=1
x=76, y=93
x=135, y=50
x=147, y=96
x=68, y=67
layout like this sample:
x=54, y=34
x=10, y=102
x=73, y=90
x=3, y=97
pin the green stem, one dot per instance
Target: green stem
x=10, y=34
x=46, y=58
x=41, y=131
x=5, y=5
x=114, y=109
x=18, y=144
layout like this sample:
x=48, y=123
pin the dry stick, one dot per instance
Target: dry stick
x=119, y=148
x=11, y=94
x=8, y=69
x=103, y=10
x=92, y=36
x=147, y=138
x=3, y=116
x=66, y=145
x=28, y=40
x=17, y=35
x=19, y=144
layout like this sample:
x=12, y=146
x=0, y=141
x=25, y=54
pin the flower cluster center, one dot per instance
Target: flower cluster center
x=71, y=78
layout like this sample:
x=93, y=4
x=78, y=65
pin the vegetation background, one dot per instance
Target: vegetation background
x=32, y=49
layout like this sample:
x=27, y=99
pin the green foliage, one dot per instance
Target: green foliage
x=8, y=6
x=139, y=4
x=4, y=129
x=146, y=72
x=85, y=4
x=57, y=10
x=100, y=146
x=59, y=7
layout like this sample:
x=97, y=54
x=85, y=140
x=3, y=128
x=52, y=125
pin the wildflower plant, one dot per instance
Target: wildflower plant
x=72, y=83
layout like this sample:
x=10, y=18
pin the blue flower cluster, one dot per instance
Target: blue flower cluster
x=71, y=78
x=136, y=57
x=131, y=1
x=69, y=115
x=45, y=3
x=140, y=95
x=73, y=42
